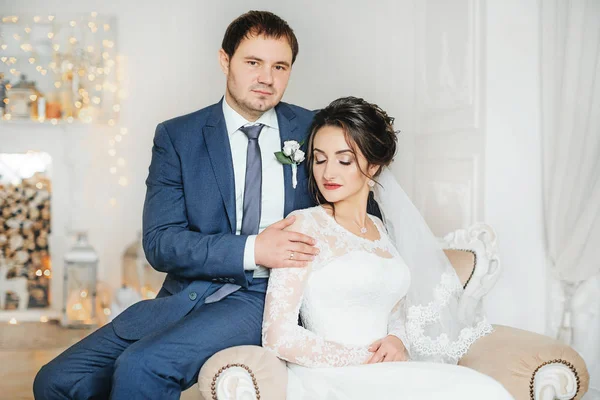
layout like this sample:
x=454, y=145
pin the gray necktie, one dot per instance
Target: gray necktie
x=252, y=199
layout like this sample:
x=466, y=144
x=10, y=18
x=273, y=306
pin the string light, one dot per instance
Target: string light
x=100, y=78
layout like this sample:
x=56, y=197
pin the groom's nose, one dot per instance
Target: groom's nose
x=266, y=76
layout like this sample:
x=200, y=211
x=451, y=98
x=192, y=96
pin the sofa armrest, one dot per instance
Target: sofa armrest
x=529, y=365
x=243, y=372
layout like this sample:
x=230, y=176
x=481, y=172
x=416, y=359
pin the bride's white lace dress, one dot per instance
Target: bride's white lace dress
x=350, y=296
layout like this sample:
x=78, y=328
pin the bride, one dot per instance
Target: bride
x=380, y=303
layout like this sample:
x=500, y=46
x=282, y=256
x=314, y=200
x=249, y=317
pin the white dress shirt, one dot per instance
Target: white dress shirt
x=273, y=189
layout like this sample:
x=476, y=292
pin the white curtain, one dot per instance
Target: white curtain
x=570, y=70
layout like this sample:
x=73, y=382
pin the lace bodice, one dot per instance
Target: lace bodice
x=348, y=297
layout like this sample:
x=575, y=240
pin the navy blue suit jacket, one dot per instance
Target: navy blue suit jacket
x=189, y=217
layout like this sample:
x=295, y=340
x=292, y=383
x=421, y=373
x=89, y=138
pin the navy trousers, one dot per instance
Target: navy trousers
x=161, y=364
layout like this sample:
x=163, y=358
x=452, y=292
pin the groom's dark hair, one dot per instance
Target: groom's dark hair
x=257, y=23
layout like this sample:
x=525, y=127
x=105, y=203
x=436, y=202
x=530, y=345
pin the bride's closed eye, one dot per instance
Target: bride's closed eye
x=346, y=163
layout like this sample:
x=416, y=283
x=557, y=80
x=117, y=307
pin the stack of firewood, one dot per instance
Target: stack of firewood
x=24, y=231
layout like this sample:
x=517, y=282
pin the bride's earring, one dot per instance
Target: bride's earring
x=371, y=183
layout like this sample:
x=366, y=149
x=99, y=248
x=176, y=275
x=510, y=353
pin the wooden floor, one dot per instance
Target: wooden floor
x=18, y=368
x=25, y=348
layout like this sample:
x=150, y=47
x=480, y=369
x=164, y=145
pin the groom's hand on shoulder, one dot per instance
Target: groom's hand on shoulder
x=276, y=247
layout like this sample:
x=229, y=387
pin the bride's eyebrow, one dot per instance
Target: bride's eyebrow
x=337, y=152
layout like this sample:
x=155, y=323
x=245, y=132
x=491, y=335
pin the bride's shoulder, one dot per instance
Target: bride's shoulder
x=306, y=212
x=307, y=218
x=377, y=221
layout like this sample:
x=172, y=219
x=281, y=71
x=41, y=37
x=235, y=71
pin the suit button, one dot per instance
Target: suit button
x=193, y=295
x=231, y=280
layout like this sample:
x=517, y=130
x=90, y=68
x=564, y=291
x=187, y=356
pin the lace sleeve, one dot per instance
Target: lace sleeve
x=281, y=332
x=396, y=325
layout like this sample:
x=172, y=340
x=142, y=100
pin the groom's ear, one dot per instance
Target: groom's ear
x=224, y=61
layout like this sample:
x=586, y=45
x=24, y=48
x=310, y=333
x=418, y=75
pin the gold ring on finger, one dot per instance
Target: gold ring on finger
x=291, y=255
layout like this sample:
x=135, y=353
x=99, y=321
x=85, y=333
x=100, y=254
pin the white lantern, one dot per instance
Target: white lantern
x=138, y=274
x=80, y=280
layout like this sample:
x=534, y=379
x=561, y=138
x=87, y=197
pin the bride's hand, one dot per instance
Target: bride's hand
x=388, y=349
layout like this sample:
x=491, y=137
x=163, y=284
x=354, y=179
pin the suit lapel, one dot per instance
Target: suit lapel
x=219, y=152
x=287, y=125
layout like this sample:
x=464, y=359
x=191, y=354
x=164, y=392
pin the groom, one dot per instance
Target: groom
x=213, y=185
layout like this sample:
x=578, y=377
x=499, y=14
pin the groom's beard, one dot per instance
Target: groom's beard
x=251, y=102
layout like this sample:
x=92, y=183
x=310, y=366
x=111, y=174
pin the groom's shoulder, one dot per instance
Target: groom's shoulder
x=304, y=115
x=189, y=123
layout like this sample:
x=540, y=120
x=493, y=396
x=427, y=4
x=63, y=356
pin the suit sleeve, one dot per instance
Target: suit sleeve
x=169, y=244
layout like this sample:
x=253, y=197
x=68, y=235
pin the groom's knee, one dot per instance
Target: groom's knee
x=134, y=363
x=47, y=383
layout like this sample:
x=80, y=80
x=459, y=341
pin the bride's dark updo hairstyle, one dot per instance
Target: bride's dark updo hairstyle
x=366, y=127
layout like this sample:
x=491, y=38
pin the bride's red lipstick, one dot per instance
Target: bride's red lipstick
x=332, y=186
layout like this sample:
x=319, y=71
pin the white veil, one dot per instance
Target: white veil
x=435, y=329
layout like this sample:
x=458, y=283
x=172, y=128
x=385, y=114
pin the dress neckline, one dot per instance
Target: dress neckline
x=353, y=235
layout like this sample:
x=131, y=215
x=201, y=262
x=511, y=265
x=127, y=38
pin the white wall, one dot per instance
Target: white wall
x=170, y=51
x=346, y=47
x=513, y=198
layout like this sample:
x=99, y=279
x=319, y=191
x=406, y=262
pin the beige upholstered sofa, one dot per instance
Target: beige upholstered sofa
x=529, y=365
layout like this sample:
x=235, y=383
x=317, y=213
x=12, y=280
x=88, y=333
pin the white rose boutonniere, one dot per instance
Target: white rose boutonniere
x=292, y=155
